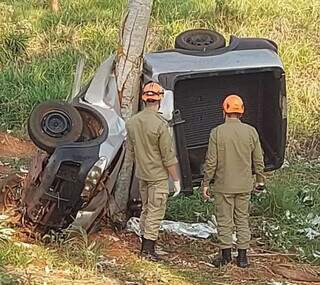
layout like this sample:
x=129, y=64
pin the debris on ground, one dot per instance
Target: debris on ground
x=280, y=283
x=302, y=273
x=195, y=230
x=5, y=232
x=185, y=249
x=10, y=189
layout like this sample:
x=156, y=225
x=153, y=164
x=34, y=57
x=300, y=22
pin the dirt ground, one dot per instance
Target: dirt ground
x=189, y=258
x=13, y=147
x=185, y=261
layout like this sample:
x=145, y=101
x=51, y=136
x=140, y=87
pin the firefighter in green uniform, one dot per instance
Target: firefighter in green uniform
x=151, y=147
x=234, y=151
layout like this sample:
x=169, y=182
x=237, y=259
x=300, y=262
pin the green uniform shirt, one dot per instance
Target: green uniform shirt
x=150, y=145
x=234, y=149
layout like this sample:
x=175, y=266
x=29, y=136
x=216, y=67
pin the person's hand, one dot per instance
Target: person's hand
x=205, y=193
x=177, y=188
x=259, y=187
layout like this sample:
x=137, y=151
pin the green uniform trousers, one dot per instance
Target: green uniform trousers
x=232, y=210
x=154, y=196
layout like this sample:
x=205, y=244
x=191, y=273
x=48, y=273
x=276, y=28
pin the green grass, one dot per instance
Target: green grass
x=289, y=207
x=146, y=272
x=75, y=253
x=280, y=216
x=189, y=208
x=39, y=49
x=9, y=279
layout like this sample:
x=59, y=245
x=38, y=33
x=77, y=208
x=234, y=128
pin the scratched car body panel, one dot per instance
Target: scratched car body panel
x=64, y=192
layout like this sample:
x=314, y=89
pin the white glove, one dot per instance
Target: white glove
x=177, y=188
x=259, y=187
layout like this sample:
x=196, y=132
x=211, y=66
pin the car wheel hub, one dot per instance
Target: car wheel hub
x=200, y=40
x=56, y=124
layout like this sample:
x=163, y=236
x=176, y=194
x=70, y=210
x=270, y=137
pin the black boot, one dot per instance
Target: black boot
x=148, y=251
x=242, y=260
x=223, y=259
x=142, y=244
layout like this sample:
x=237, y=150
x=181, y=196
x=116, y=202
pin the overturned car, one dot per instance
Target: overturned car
x=72, y=181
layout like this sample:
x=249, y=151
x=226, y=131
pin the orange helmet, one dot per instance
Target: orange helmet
x=152, y=91
x=233, y=104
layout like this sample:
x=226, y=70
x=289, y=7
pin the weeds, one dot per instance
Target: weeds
x=80, y=250
x=10, y=253
x=289, y=210
x=39, y=49
x=189, y=208
x=72, y=251
x=286, y=216
x=9, y=279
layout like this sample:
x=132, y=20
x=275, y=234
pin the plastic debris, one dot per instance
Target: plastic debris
x=23, y=170
x=315, y=221
x=285, y=164
x=199, y=230
x=316, y=254
x=280, y=283
x=195, y=230
x=310, y=233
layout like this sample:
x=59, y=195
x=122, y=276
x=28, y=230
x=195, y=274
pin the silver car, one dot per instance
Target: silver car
x=84, y=142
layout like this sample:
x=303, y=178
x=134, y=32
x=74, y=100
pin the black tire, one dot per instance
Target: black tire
x=54, y=123
x=200, y=40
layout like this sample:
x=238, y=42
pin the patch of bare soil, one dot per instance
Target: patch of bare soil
x=13, y=147
x=185, y=262
x=4, y=170
x=186, y=255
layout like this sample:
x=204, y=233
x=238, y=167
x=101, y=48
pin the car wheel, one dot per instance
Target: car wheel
x=54, y=123
x=200, y=40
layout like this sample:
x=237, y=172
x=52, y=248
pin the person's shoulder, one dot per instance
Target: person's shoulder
x=160, y=120
x=213, y=132
x=250, y=128
x=131, y=122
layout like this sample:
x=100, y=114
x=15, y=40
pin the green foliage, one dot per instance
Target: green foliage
x=286, y=216
x=39, y=49
x=10, y=253
x=30, y=84
x=15, y=255
x=289, y=210
x=79, y=249
x=190, y=208
x=72, y=250
x=9, y=279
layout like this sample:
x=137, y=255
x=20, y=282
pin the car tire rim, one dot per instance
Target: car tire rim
x=200, y=40
x=56, y=124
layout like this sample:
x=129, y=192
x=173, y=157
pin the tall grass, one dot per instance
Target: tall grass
x=39, y=49
x=286, y=217
x=74, y=253
x=290, y=210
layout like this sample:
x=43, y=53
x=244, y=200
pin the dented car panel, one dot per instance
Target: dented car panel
x=200, y=81
x=76, y=181
x=79, y=174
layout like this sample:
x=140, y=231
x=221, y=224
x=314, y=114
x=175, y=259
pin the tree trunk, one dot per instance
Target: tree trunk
x=54, y=5
x=128, y=72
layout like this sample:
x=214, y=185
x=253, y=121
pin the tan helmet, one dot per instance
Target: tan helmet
x=233, y=104
x=152, y=91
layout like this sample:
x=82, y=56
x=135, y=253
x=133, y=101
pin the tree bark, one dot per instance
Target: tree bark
x=54, y=5
x=128, y=70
